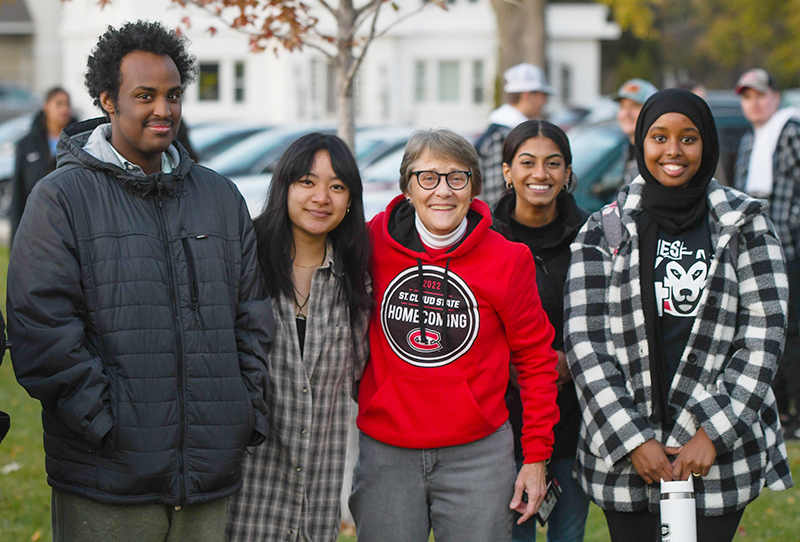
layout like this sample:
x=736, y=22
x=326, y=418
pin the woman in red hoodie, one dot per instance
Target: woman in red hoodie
x=455, y=301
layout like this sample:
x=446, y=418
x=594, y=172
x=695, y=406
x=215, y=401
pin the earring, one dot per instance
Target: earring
x=347, y=212
x=508, y=184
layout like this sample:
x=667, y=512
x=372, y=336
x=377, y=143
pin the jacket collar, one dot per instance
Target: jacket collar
x=71, y=151
x=728, y=208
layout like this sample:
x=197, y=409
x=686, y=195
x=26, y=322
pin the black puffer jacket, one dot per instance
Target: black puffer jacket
x=552, y=262
x=138, y=319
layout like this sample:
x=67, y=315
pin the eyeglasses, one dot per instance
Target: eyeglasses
x=456, y=180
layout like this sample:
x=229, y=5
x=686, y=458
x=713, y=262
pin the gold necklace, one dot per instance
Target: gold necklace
x=324, y=254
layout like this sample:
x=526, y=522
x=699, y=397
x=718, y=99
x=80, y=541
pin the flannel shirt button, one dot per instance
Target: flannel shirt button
x=712, y=300
x=298, y=469
x=692, y=358
x=177, y=508
x=305, y=390
x=303, y=431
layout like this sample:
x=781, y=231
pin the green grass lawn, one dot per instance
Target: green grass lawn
x=25, y=496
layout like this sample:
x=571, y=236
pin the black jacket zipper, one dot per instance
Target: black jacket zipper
x=178, y=339
x=193, y=287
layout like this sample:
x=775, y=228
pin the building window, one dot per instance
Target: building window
x=448, y=81
x=209, y=82
x=478, y=90
x=419, y=81
x=566, y=84
x=239, y=82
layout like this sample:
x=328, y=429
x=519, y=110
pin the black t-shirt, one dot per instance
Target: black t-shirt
x=681, y=272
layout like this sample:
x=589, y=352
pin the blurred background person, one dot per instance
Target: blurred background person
x=768, y=167
x=527, y=92
x=36, y=152
x=540, y=211
x=631, y=97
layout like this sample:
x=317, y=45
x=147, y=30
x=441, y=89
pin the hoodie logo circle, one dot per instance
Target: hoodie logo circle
x=445, y=328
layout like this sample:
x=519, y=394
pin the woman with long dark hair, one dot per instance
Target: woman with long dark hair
x=313, y=249
x=676, y=310
x=538, y=210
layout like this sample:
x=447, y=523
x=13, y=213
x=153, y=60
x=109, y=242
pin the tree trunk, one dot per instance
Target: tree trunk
x=345, y=103
x=521, y=32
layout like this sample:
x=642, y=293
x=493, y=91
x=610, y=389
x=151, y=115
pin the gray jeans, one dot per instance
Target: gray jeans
x=461, y=492
x=77, y=519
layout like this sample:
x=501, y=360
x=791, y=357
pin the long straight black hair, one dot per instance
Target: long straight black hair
x=350, y=239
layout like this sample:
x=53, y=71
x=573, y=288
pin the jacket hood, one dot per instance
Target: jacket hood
x=398, y=228
x=574, y=217
x=728, y=207
x=71, y=153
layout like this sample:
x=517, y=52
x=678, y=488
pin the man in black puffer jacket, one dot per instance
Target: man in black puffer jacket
x=137, y=313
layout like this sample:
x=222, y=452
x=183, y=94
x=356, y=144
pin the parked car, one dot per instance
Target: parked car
x=11, y=131
x=209, y=140
x=16, y=101
x=259, y=153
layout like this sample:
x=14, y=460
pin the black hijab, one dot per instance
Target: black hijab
x=675, y=210
x=678, y=209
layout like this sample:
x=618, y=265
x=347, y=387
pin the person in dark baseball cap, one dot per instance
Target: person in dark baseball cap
x=767, y=166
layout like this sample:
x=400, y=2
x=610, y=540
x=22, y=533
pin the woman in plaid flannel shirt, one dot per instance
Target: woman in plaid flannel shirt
x=674, y=327
x=313, y=248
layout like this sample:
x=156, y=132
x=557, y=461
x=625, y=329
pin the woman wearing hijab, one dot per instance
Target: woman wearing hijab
x=674, y=320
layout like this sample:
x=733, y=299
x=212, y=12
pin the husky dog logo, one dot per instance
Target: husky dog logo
x=685, y=287
x=450, y=324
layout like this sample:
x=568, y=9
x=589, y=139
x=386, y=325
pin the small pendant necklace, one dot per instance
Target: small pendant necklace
x=299, y=306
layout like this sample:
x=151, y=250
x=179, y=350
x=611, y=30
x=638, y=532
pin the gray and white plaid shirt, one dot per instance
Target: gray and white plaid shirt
x=293, y=482
x=784, y=203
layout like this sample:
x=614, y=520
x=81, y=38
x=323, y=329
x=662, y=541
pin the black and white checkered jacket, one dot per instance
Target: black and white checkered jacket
x=784, y=203
x=723, y=381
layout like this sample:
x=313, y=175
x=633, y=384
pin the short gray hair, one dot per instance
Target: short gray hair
x=443, y=143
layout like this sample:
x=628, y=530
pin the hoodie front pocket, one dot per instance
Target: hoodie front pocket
x=444, y=409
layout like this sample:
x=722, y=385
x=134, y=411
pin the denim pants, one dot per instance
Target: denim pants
x=567, y=522
x=77, y=519
x=461, y=492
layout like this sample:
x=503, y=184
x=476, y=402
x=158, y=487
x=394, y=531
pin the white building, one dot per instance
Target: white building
x=436, y=68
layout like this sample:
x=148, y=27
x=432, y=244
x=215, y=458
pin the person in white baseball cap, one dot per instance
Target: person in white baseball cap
x=527, y=92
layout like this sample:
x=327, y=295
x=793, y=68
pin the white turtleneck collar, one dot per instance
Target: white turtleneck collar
x=439, y=242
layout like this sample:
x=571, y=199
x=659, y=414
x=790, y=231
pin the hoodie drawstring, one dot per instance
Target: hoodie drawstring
x=421, y=304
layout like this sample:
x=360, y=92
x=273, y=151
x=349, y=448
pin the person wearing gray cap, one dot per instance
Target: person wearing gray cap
x=768, y=166
x=527, y=92
x=631, y=97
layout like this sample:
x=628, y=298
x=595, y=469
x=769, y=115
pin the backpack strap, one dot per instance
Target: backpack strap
x=612, y=226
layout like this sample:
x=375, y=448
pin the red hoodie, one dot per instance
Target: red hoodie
x=440, y=380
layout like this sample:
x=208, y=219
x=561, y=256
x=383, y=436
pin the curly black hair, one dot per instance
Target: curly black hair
x=151, y=37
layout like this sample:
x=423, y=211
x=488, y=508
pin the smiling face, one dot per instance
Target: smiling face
x=317, y=202
x=442, y=209
x=673, y=150
x=146, y=114
x=538, y=174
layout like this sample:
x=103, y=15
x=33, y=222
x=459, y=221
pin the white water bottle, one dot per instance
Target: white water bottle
x=678, y=512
